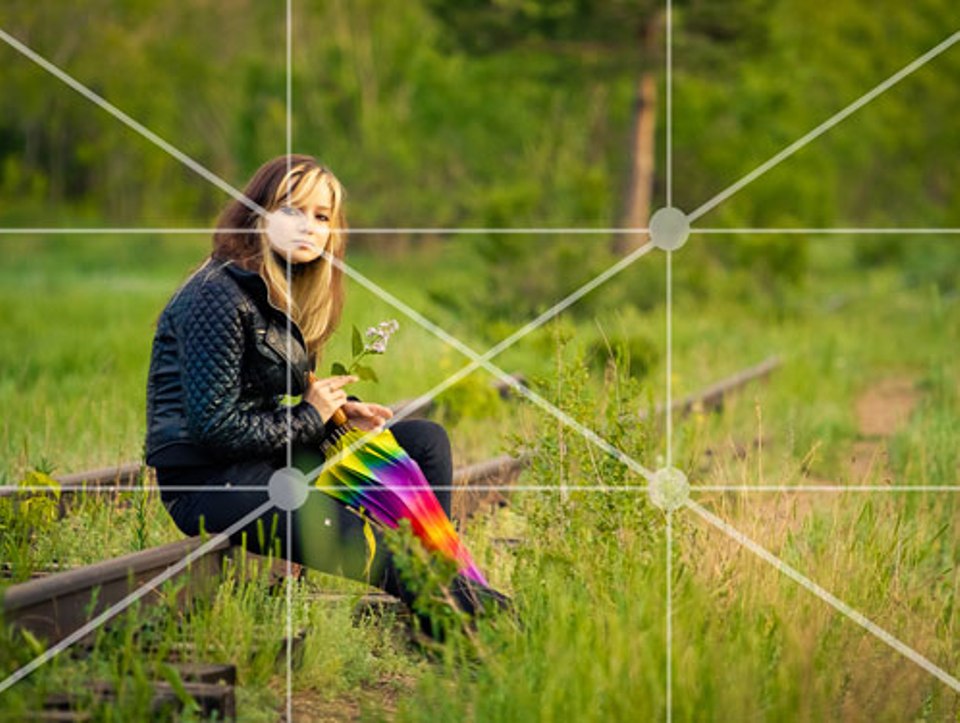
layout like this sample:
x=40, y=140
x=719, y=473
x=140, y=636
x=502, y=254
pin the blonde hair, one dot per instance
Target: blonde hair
x=315, y=300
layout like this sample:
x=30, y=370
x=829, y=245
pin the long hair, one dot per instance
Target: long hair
x=316, y=299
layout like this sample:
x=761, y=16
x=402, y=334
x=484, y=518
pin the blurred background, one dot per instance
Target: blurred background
x=471, y=113
x=546, y=114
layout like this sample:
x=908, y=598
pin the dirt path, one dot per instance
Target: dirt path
x=881, y=412
x=874, y=671
x=885, y=407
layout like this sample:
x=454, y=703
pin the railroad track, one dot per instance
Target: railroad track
x=61, y=606
x=57, y=606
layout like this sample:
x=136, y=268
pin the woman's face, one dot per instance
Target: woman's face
x=300, y=233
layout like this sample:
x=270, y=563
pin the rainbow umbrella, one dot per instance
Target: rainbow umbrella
x=378, y=479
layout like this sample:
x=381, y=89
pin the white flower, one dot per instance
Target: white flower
x=379, y=335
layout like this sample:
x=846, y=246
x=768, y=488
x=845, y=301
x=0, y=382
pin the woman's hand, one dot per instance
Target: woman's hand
x=366, y=416
x=327, y=394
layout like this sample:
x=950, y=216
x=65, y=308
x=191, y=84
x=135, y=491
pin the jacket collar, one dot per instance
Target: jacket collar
x=254, y=284
x=248, y=280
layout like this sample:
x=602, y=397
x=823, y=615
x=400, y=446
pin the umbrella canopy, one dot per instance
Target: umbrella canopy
x=380, y=478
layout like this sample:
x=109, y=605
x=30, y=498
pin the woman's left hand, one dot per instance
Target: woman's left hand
x=366, y=416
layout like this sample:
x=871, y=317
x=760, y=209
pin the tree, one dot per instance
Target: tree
x=611, y=37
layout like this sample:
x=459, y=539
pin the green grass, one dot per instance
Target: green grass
x=589, y=573
x=77, y=317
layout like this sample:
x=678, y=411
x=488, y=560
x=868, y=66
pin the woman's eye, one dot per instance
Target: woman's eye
x=322, y=217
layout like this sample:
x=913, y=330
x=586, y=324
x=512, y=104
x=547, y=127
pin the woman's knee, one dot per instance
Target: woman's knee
x=428, y=445
x=422, y=435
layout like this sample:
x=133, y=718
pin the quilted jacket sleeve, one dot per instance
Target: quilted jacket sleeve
x=211, y=353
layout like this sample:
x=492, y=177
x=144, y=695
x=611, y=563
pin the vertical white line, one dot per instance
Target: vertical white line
x=289, y=584
x=289, y=78
x=289, y=540
x=289, y=148
x=669, y=616
x=669, y=135
x=669, y=394
x=669, y=103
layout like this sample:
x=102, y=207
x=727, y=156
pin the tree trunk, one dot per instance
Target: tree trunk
x=640, y=187
x=639, y=194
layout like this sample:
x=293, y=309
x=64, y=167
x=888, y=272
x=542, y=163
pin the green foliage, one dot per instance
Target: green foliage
x=636, y=355
x=426, y=133
x=428, y=577
x=473, y=397
x=38, y=508
x=26, y=519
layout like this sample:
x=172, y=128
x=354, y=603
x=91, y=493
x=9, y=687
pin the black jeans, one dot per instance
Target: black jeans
x=324, y=534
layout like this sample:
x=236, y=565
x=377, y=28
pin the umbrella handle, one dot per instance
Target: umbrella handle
x=339, y=417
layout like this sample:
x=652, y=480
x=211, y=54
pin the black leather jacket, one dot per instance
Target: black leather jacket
x=218, y=372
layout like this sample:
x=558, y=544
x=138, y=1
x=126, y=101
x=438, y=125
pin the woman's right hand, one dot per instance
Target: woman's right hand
x=327, y=394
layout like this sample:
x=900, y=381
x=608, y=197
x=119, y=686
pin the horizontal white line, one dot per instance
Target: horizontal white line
x=513, y=488
x=54, y=231
x=829, y=231
x=350, y=231
x=372, y=490
x=125, y=231
x=825, y=488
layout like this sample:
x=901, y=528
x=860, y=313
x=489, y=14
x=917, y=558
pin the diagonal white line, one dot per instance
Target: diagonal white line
x=566, y=302
x=437, y=331
x=129, y=122
x=825, y=126
x=119, y=607
x=510, y=340
x=220, y=183
x=824, y=595
x=479, y=360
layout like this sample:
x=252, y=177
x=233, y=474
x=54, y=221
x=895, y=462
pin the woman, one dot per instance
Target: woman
x=223, y=359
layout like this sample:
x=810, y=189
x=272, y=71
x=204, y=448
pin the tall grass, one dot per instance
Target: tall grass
x=589, y=571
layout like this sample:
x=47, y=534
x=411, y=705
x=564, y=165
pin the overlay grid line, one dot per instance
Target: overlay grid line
x=483, y=360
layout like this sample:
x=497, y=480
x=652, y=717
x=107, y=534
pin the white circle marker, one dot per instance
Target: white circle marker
x=285, y=225
x=669, y=228
x=669, y=489
x=288, y=488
